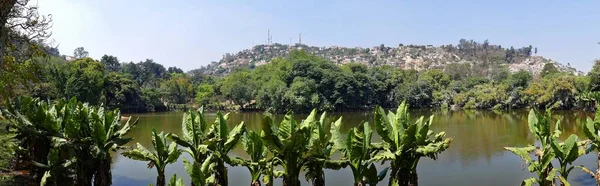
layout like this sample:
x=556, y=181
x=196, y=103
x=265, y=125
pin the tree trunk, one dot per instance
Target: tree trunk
x=221, y=174
x=39, y=149
x=545, y=174
x=291, y=180
x=292, y=172
x=255, y=183
x=6, y=7
x=103, y=175
x=403, y=176
x=394, y=175
x=84, y=176
x=408, y=177
x=160, y=179
x=361, y=183
x=319, y=180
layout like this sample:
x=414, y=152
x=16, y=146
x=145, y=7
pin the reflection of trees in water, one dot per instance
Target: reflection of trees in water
x=482, y=134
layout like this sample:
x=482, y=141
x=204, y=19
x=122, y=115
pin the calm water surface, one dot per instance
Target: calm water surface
x=475, y=157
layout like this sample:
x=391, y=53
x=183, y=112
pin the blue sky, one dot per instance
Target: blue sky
x=190, y=34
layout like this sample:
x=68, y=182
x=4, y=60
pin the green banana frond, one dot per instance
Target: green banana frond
x=529, y=182
x=162, y=155
x=175, y=182
x=372, y=177
x=140, y=153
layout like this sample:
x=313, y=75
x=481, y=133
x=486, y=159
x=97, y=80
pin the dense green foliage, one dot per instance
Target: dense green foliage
x=133, y=87
x=68, y=142
x=303, y=81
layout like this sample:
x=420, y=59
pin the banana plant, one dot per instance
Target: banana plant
x=35, y=122
x=221, y=142
x=405, y=143
x=87, y=132
x=195, y=132
x=258, y=162
x=357, y=151
x=539, y=126
x=162, y=155
x=93, y=133
x=57, y=169
x=108, y=134
x=269, y=172
x=288, y=142
x=592, y=131
x=566, y=153
x=201, y=174
x=320, y=149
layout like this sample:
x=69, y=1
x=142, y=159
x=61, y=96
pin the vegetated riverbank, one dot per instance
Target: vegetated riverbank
x=301, y=80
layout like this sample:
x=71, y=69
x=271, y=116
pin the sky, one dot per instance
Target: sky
x=190, y=34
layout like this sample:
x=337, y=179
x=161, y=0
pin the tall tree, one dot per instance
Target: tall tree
x=22, y=34
x=85, y=80
x=80, y=53
x=21, y=22
x=548, y=69
x=174, y=70
x=111, y=63
x=179, y=89
x=594, y=76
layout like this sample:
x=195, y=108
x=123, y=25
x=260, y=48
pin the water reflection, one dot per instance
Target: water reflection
x=475, y=157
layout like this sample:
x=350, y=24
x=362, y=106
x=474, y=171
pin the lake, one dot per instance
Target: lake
x=475, y=157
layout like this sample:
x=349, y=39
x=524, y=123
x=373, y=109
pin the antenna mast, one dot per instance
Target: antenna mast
x=268, y=36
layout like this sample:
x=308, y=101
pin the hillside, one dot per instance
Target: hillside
x=416, y=57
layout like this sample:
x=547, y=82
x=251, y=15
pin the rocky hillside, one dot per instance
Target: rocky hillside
x=416, y=57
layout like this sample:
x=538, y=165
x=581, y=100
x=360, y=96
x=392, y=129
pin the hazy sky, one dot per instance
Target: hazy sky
x=190, y=34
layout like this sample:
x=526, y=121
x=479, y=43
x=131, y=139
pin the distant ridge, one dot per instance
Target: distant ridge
x=417, y=57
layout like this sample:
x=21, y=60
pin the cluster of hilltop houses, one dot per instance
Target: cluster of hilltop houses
x=416, y=57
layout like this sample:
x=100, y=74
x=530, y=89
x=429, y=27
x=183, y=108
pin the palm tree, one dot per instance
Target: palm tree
x=162, y=155
x=404, y=143
x=357, y=151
